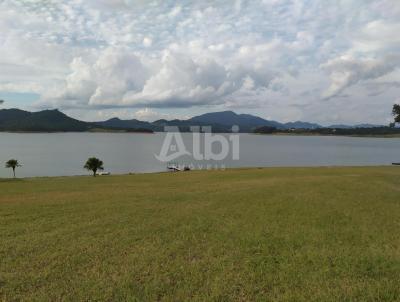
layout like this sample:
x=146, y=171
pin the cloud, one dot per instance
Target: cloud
x=375, y=36
x=119, y=77
x=175, y=11
x=347, y=71
x=144, y=114
x=372, y=54
x=147, y=114
x=147, y=42
x=262, y=55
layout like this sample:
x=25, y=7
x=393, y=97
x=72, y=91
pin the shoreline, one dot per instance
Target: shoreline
x=250, y=133
x=4, y=179
x=330, y=135
x=94, y=131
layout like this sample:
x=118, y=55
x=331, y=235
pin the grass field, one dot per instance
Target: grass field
x=284, y=234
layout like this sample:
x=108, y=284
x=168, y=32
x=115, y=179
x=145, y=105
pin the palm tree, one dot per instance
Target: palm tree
x=94, y=164
x=12, y=163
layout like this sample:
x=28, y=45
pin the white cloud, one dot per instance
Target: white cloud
x=121, y=78
x=175, y=11
x=147, y=114
x=265, y=54
x=347, y=71
x=147, y=42
x=376, y=36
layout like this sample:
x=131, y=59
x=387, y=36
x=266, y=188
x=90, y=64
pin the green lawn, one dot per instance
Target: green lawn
x=284, y=234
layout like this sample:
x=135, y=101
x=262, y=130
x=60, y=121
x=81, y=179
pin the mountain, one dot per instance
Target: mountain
x=302, y=125
x=341, y=126
x=46, y=121
x=125, y=124
x=10, y=115
x=183, y=125
x=222, y=122
x=246, y=122
x=368, y=126
x=219, y=121
x=56, y=121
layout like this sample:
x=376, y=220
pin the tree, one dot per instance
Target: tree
x=93, y=164
x=396, y=113
x=12, y=163
x=265, y=130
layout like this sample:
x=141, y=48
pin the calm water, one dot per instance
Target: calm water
x=65, y=153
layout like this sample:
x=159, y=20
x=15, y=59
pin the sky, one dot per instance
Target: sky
x=325, y=61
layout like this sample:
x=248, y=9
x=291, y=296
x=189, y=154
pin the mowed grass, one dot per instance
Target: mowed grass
x=282, y=234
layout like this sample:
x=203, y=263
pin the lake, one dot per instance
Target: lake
x=59, y=154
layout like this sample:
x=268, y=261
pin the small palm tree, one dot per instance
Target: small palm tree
x=12, y=163
x=93, y=164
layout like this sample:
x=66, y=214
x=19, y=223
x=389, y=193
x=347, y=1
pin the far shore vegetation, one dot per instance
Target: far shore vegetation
x=390, y=131
x=360, y=132
x=16, y=120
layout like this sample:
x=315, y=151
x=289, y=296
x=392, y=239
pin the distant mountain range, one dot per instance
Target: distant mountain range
x=340, y=126
x=54, y=121
x=42, y=121
x=222, y=122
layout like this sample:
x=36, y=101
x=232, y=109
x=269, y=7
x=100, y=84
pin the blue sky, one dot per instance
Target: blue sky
x=322, y=61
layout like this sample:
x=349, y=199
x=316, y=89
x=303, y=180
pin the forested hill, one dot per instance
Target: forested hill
x=16, y=120
x=56, y=121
